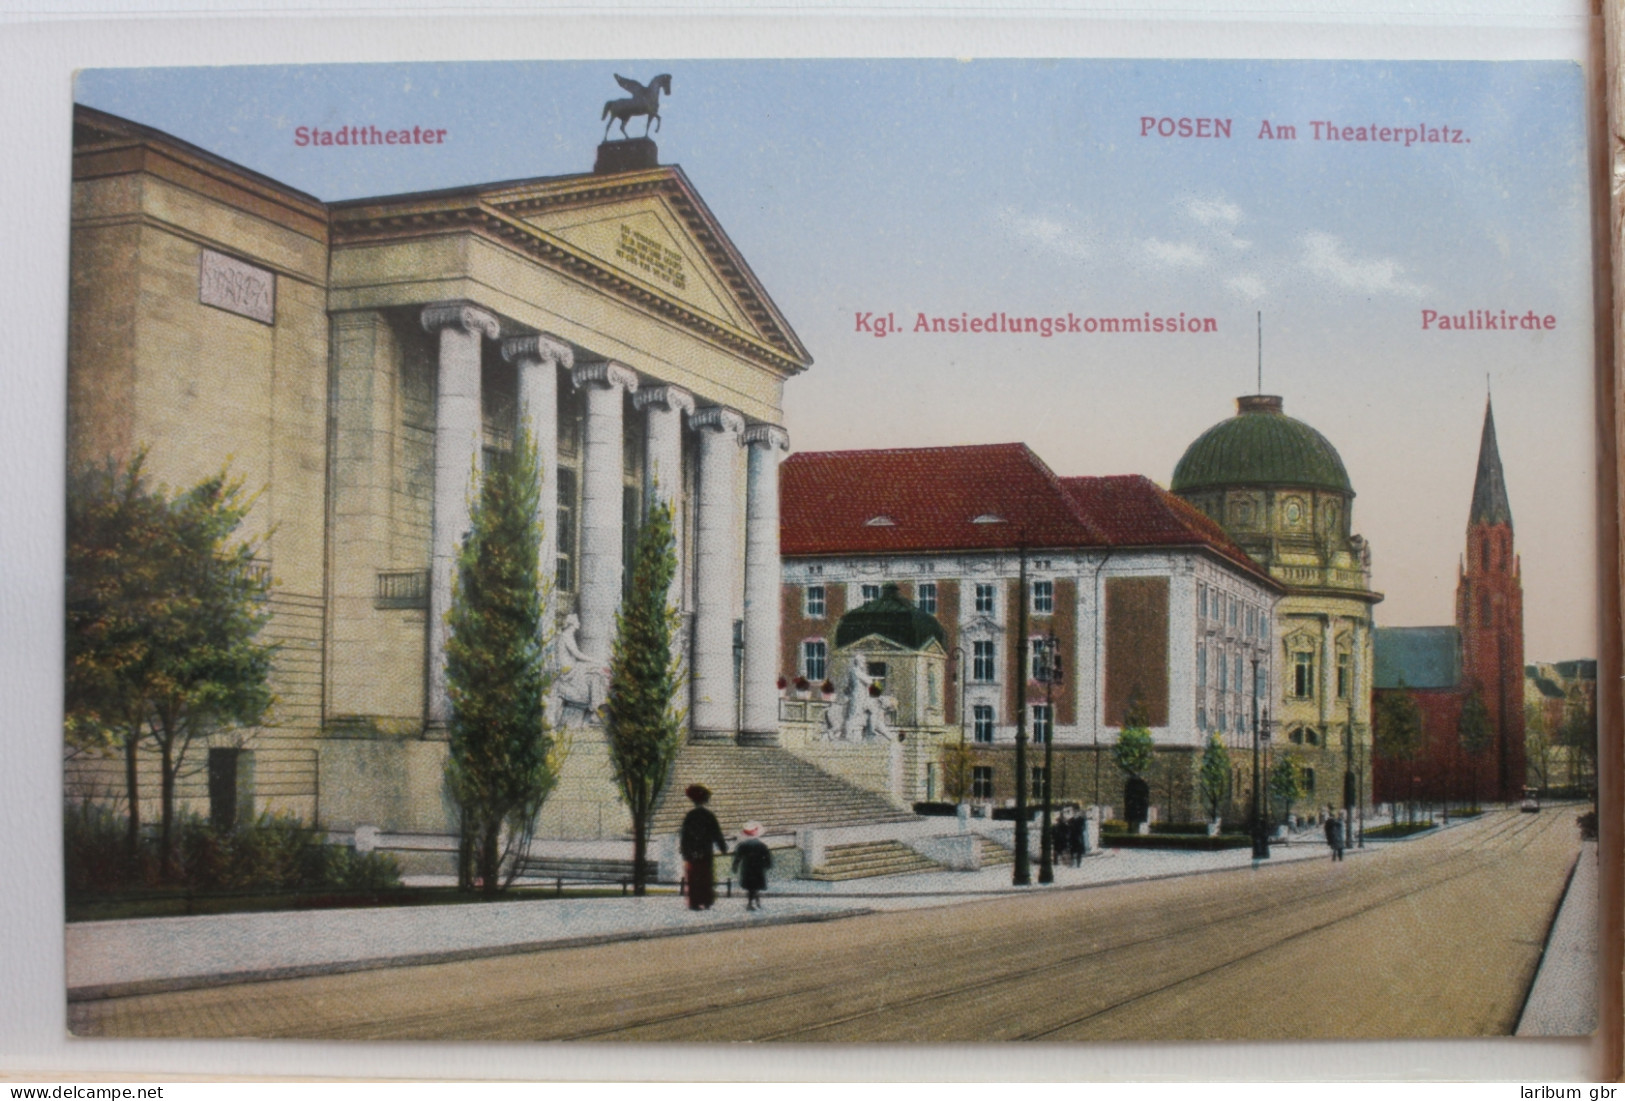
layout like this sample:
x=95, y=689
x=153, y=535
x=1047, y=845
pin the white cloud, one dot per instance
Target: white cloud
x=1063, y=238
x=1324, y=256
x=1214, y=212
x=1175, y=254
x=1248, y=286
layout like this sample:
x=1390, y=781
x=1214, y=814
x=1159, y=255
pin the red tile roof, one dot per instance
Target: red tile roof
x=988, y=497
x=1133, y=511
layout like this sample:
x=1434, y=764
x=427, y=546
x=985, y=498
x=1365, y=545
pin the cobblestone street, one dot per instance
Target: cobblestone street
x=1436, y=937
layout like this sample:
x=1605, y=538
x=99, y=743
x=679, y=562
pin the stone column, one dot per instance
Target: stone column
x=457, y=442
x=763, y=444
x=1328, y=672
x=538, y=359
x=713, y=716
x=603, y=471
x=665, y=407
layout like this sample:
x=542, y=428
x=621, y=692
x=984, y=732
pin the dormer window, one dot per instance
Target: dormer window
x=988, y=518
x=880, y=522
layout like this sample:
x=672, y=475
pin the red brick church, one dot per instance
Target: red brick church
x=1442, y=668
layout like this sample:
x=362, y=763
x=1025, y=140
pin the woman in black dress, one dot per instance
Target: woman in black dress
x=700, y=833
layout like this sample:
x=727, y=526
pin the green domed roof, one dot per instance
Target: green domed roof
x=1261, y=446
x=890, y=616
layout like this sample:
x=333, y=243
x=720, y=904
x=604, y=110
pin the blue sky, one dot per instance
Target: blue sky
x=1025, y=186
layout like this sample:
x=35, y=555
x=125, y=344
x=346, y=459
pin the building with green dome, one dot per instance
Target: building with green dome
x=1280, y=490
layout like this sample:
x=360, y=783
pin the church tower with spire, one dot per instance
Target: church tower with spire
x=1489, y=615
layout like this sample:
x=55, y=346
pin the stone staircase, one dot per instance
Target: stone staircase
x=995, y=855
x=769, y=785
x=863, y=859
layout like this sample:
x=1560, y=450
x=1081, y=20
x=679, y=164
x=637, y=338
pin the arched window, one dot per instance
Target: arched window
x=1484, y=549
x=1484, y=610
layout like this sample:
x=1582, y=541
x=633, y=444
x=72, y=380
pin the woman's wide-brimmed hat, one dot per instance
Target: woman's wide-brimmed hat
x=698, y=792
x=751, y=829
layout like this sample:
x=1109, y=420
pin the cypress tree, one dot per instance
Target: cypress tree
x=642, y=729
x=503, y=759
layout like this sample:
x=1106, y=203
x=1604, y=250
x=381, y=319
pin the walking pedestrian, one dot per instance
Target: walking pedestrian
x=1078, y=837
x=1334, y=835
x=1060, y=836
x=700, y=834
x=751, y=862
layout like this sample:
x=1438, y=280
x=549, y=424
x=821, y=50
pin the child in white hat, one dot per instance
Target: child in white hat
x=751, y=861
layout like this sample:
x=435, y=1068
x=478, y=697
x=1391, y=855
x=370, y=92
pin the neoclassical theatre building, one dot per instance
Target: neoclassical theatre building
x=355, y=362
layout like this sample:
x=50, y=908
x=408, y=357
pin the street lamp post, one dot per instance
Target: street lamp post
x=959, y=671
x=1261, y=840
x=1022, y=875
x=1046, y=845
x=1359, y=796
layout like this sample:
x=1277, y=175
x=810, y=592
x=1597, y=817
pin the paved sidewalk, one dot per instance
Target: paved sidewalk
x=1563, y=999
x=146, y=955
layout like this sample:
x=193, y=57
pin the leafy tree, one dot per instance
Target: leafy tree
x=1285, y=784
x=163, y=616
x=1579, y=729
x=643, y=730
x=957, y=761
x=118, y=540
x=214, y=676
x=1476, y=732
x=1214, y=775
x=1133, y=753
x=1537, y=746
x=503, y=760
x=1397, y=729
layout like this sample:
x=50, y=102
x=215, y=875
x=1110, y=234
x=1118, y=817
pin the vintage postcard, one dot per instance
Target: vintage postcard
x=831, y=551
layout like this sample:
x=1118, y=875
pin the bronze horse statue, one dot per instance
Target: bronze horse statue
x=645, y=100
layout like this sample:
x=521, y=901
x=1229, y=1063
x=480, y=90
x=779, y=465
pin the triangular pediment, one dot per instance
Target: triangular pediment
x=651, y=229
x=875, y=644
x=644, y=239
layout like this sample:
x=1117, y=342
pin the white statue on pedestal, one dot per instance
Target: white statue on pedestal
x=580, y=684
x=857, y=713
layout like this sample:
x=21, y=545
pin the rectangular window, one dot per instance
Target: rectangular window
x=1043, y=597
x=1201, y=666
x=1043, y=723
x=869, y=592
x=1224, y=674
x=814, y=659
x=565, y=520
x=982, y=661
x=982, y=729
x=815, y=602
x=928, y=597
x=1241, y=722
x=1238, y=680
x=1044, y=652
x=984, y=597
x=981, y=782
x=1201, y=601
x=1036, y=791
x=1222, y=727
x=1252, y=620
x=1303, y=675
x=1343, y=677
x=1201, y=719
x=1234, y=616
